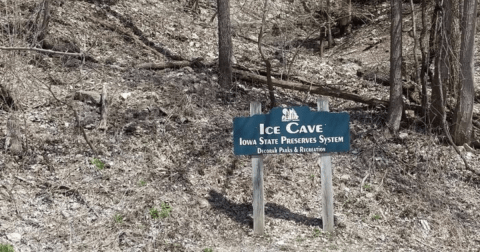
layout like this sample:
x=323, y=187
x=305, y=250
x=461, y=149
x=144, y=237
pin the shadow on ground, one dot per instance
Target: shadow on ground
x=242, y=213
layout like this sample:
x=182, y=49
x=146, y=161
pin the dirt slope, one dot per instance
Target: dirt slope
x=169, y=141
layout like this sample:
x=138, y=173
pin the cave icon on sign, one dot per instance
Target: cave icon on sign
x=289, y=115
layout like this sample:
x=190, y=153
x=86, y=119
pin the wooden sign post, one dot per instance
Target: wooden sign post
x=291, y=130
x=325, y=163
x=257, y=165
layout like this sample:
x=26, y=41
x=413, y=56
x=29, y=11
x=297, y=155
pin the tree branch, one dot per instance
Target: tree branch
x=40, y=50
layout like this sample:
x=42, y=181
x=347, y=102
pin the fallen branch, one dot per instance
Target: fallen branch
x=127, y=33
x=408, y=89
x=127, y=22
x=312, y=89
x=40, y=50
x=163, y=65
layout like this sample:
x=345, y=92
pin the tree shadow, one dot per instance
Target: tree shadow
x=242, y=213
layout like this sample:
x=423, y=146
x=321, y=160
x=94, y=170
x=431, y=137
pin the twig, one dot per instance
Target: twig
x=381, y=182
x=25, y=180
x=434, y=248
x=104, y=109
x=40, y=50
x=297, y=50
x=363, y=182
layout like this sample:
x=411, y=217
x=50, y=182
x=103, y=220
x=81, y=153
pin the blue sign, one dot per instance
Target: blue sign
x=291, y=130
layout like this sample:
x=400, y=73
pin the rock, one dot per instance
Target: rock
x=345, y=177
x=197, y=87
x=75, y=206
x=203, y=203
x=382, y=237
x=369, y=195
x=188, y=69
x=403, y=135
x=14, y=237
x=88, y=97
x=124, y=96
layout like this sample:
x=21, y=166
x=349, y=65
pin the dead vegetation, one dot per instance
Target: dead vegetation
x=167, y=142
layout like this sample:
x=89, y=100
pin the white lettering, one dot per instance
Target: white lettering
x=267, y=151
x=289, y=129
x=264, y=141
x=269, y=130
x=301, y=140
x=277, y=130
x=316, y=149
x=326, y=140
x=304, y=128
x=248, y=141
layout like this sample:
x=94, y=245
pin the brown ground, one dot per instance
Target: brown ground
x=170, y=142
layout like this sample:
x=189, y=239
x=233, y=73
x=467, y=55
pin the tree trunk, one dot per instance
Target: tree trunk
x=224, y=44
x=454, y=54
x=414, y=24
x=433, y=37
x=449, y=63
x=462, y=128
x=395, y=108
x=344, y=21
x=13, y=141
x=425, y=62
x=329, y=24
x=267, y=61
x=322, y=44
x=441, y=73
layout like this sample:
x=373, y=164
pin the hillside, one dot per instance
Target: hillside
x=163, y=177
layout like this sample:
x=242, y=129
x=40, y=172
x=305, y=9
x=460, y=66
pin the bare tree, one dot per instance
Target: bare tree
x=425, y=61
x=395, y=109
x=266, y=60
x=344, y=21
x=462, y=127
x=441, y=73
x=224, y=44
x=454, y=52
x=329, y=23
x=414, y=30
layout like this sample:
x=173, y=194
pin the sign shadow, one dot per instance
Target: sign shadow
x=242, y=213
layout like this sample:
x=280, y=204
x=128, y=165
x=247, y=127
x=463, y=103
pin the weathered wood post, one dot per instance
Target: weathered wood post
x=325, y=163
x=257, y=165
